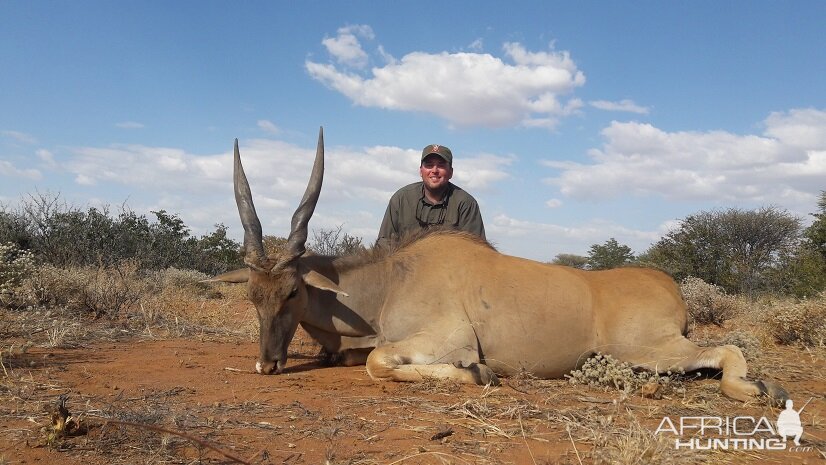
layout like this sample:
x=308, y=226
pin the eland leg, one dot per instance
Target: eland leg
x=422, y=356
x=682, y=354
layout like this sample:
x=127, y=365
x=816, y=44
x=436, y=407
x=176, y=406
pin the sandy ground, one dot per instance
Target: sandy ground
x=202, y=390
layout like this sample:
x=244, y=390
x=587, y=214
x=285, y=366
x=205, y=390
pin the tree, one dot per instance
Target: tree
x=572, y=260
x=217, y=253
x=816, y=233
x=734, y=248
x=803, y=271
x=609, y=255
x=331, y=242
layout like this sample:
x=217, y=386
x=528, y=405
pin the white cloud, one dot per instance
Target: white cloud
x=466, y=89
x=802, y=128
x=268, y=127
x=623, y=105
x=520, y=237
x=47, y=157
x=482, y=172
x=553, y=203
x=20, y=137
x=786, y=165
x=357, y=182
x=346, y=47
x=129, y=125
x=8, y=169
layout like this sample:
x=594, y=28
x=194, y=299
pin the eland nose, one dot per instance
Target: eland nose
x=264, y=368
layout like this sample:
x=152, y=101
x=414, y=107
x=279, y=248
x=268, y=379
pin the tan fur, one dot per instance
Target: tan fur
x=447, y=304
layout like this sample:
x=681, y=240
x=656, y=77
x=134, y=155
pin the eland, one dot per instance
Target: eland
x=446, y=304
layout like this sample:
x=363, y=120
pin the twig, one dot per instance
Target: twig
x=525, y=440
x=198, y=441
x=579, y=459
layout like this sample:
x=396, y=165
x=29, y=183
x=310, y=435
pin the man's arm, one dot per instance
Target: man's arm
x=470, y=218
x=389, y=225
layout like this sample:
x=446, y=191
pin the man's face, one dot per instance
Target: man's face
x=436, y=173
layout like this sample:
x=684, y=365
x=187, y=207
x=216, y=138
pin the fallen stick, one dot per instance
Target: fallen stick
x=198, y=441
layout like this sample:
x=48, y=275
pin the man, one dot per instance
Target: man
x=433, y=202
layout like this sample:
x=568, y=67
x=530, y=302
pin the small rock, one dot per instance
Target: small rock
x=652, y=391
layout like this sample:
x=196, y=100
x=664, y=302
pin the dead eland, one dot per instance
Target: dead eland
x=472, y=315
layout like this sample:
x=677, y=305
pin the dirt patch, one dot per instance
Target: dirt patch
x=199, y=390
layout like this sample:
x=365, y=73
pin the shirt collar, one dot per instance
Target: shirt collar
x=445, y=199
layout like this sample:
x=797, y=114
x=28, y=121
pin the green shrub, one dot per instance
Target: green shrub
x=67, y=236
x=707, y=303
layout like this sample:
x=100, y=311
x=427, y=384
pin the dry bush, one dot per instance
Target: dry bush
x=100, y=290
x=707, y=303
x=174, y=277
x=604, y=371
x=802, y=322
x=181, y=304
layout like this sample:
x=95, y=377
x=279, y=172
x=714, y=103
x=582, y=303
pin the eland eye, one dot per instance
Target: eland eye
x=293, y=293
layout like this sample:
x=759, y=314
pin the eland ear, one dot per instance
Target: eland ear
x=319, y=281
x=240, y=275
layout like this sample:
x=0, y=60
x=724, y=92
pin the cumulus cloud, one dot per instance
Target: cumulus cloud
x=357, y=184
x=521, y=88
x=801, y=128
x=623, y=105
x=346, y=47
x=483, y=172
x=786, y=164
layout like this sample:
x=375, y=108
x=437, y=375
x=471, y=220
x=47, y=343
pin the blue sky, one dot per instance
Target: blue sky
x=570, y=122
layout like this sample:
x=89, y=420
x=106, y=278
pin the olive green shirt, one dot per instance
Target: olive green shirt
x=408, y=210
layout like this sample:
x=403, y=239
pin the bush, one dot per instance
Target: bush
x=67, y=236
x=331, y=242
x=802, y=323
x=100, y=290
x=606, y=372
x=15, y=266
x=707, y=303
x=175, y=278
